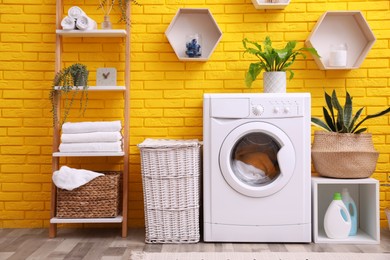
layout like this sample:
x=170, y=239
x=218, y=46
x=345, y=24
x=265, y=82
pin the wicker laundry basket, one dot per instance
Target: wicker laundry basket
x=99, y=198
x=171, y=188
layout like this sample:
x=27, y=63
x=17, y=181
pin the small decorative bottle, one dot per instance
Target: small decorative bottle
x=106, y=24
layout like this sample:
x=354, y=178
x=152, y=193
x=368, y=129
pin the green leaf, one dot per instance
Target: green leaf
x=328, y=100
x=373, y=116
x=340, y=113
x=355, y=118
x=361, y=130
x=318, y=122
x=252, y=73
x=347, y=112
x=328, y=119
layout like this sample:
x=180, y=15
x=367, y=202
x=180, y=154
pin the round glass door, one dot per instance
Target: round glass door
x=257, y=159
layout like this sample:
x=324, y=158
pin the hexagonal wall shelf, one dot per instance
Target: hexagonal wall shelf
x=270, y=4
x=338, y=28
x=192, y=21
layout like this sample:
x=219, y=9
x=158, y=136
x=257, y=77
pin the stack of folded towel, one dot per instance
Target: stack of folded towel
x=91, y=137
x=77, y=19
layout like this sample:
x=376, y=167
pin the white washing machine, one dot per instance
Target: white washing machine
x=256, y=175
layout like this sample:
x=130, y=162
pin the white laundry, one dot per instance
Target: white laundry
x=89, y=127
x=68, y=23
x=95, y=137
x=69, y=179
x=90, y=147
x=249, y=173
x=83, y=22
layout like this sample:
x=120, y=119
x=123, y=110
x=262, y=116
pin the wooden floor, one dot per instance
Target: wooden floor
x=107, y=244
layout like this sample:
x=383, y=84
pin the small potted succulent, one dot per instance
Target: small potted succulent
x=67, y=83
x=343, y=149
x=274, y=62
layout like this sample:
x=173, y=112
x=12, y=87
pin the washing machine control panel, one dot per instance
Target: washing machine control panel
x=276, y=108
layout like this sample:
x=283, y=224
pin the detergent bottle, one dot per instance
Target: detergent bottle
x=351, y=206
x=337, y=221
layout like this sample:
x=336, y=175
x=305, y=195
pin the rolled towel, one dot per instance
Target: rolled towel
x=89, y=127
x=90, y=147
x=68, y=23
x=95, y=137
x=70, y=179
x=85, y=23
x=75, y=12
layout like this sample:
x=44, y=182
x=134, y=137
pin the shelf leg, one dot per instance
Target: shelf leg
x=52, y=230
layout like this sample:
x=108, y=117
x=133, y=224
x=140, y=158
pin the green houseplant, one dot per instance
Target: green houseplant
x=68, y=83
x=107, y=5
x=272, y=60
x=342, y=149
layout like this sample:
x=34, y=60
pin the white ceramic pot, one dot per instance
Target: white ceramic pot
x=275, y=82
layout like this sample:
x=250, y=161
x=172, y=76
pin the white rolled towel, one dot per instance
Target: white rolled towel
x=68, y=23
x=90, y=147
x=75, y=12
x=95, y=137
x=69, y=179
x=85, y=23
x=89, y=127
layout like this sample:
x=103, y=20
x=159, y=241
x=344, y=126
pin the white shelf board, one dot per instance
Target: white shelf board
x=360, y=238
x=92, y=33
x=118, y=219
x=188, y=21
x=89, y=154
x=100, y=88
x=264, y=4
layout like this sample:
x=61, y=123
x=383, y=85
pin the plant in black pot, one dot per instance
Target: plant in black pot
x=69, y=83
x=274, y=62
x=343, y=149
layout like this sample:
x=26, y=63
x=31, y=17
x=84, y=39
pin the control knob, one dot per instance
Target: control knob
x=257, y=110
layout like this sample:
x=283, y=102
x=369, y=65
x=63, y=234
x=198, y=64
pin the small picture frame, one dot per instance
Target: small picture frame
x=106, y=77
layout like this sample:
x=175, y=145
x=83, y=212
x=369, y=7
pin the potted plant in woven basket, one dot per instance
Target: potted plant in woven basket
x=275, y=63
x=343, y=150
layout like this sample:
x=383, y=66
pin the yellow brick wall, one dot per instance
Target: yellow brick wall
x=166, y=94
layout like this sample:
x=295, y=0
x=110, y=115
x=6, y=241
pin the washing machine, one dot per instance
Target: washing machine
x=256, y=167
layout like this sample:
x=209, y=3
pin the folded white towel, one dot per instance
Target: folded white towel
x=95, y=137
x=89, y=127
x=68, y=178
x=85, y=23
x=68, y=23
x=75, y=12
x=90, y=147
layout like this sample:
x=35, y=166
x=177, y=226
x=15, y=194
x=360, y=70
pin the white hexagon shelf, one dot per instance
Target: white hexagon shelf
x=338, y=28
x=193, y=21
x=270, y=4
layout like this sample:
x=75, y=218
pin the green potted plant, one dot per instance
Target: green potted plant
x=343, y=149
x=275, y=63
x=68, y=83
x=107, y=5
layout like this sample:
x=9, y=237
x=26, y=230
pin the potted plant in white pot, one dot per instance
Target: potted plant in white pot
x=275, y=63
x=343, y=150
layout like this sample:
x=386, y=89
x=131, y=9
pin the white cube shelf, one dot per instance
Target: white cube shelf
x=189, y=21
x=341, y=27
x=365, y=193
x=269, y=4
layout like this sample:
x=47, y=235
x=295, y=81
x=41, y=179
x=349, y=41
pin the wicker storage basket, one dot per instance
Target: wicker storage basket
x=99, y=198
x=343, y=155
x=171, y=183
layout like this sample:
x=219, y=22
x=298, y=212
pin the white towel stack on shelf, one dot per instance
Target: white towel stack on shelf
x=77, y=19
x=91, y=137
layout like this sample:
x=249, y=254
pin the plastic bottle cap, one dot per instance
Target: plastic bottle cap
x=337, y=196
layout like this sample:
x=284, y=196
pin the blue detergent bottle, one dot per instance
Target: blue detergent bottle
x=351, y=206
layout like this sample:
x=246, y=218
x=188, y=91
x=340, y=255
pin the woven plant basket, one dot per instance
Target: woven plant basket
x=344, y=156
x=99, y=198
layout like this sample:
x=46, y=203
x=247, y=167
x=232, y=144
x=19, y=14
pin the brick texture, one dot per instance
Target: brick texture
x=166, y=94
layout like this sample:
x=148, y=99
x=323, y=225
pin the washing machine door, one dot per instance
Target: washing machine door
x=257, y=159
